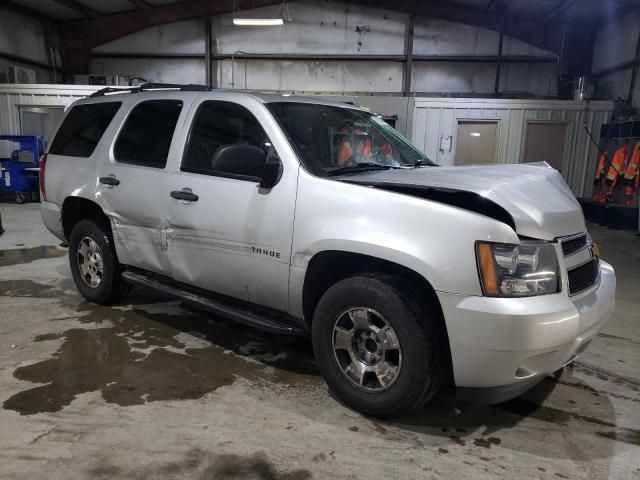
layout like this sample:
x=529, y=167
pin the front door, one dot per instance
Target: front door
x=132, y=183
x=226, y=234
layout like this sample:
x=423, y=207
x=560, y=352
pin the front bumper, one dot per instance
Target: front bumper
x=506, y=345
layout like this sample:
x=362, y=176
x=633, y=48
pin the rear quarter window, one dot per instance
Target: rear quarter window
x=82, y=129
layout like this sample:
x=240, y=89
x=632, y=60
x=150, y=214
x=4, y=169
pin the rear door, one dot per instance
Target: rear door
x=76, y=150
x=235, y=238
x=132, y=182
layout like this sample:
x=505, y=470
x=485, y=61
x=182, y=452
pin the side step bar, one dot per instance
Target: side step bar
x=232, y=310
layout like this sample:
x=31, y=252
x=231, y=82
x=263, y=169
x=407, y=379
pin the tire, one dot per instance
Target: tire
x=419, y=364
x=95, y=237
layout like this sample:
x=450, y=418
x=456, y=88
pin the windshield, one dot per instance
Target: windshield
x=333, y=140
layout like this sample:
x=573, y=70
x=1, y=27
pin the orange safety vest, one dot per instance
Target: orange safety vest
x=619, y=163
x=632, y=169
x=387, y=150
x=602, y=163
x=345, y=152
x=631, y=176
x=368, y=147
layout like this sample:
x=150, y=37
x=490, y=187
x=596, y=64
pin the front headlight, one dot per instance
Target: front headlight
x=524, y=270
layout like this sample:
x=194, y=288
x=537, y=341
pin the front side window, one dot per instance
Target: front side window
x=82, y=129
x=146, y=135
x=216, y=124
x=331, y=139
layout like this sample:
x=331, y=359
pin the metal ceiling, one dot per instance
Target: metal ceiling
x=571, y=11
x=565, y=27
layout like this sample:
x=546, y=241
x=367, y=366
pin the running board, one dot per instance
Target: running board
x=233, y=310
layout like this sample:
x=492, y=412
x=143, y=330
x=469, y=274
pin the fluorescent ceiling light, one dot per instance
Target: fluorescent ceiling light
x=475, y=134
x=258, y=22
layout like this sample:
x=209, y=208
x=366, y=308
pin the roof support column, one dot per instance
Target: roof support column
x=207, y=51
x=408, y=55
x=496, y=89
x=634, y=74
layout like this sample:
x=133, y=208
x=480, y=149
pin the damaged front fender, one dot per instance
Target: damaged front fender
x=470, y=201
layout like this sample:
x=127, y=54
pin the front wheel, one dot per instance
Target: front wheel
x=94, y=264
x=378, y=350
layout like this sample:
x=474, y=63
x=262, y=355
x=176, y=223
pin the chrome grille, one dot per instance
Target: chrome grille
x=583, y=277
x=583, y=268
x=574, y=244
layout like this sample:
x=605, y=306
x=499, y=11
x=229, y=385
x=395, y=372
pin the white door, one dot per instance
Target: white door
x=133, y=183
x=476, y=142
x=232, y=237
x=545, y=143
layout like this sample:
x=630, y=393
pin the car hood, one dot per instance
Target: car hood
x=535, y=195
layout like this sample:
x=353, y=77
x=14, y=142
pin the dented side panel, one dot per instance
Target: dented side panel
x=137, y=206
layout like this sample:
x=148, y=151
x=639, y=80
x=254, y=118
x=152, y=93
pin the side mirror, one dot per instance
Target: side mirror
x=247, y=161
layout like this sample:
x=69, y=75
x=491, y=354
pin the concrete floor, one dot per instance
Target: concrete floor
x=150, y=389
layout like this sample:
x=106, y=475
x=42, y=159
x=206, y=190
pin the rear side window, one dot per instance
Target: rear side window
x=146, y=135
x=83, y=128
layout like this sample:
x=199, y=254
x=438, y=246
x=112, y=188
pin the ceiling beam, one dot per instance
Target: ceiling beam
x=80, y=8
x=141, y=4
x=80, y=36
x=27, y=61
x=107, y=28
x=546, y=34
x=490, y=6
x=8, y=4
x=561, y=7
x=535, y=31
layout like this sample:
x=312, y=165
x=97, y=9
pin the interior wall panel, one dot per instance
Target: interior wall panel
x=331, y=28
x=14, y=96
x=436, y=118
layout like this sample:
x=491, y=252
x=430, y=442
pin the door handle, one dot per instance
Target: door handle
x=113, y=181
x=184, y=195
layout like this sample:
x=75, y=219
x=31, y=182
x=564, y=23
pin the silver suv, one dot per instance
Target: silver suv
x=302, y=216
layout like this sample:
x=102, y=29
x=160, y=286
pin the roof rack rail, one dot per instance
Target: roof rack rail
x=107, y=90
x=149, y=86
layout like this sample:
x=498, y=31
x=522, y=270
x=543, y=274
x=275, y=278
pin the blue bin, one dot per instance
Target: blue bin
x=19, y=172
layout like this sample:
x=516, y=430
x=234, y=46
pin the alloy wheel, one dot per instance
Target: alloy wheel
x=367, y=349
x=90, y=262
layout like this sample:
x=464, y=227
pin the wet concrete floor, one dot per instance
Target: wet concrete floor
x=154, y=389
x=132, y=356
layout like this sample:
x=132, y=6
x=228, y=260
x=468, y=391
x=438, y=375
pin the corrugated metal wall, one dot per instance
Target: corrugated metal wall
x=328, y=28
x=14, y=96
x=437, y=118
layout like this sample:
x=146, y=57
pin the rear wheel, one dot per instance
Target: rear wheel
x=94, y=264
x=376, y=348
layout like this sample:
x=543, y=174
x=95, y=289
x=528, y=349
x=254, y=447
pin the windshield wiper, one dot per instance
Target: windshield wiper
x=360, y=167
x=422, y=163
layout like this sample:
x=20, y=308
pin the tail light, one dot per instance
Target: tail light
x=43, y=166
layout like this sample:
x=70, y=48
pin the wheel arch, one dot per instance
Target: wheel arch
x=327, y=267
x=75, y=209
